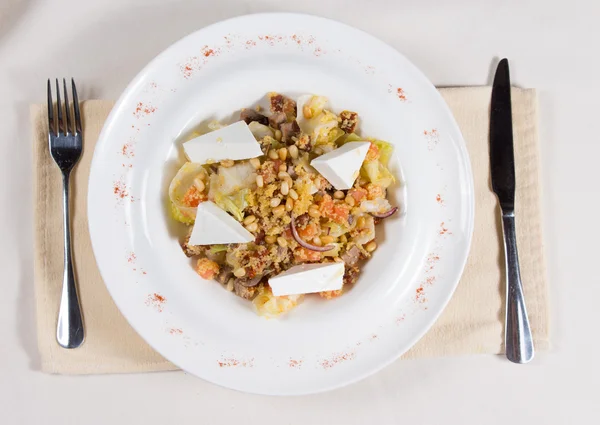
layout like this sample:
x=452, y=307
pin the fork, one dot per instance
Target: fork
x=65, y=142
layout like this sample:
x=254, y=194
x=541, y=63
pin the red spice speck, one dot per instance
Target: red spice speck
x=296, y=364
x=120, y=190
x=157, y=301
x=271, y=39
x=297, y=39
x=144, y=272
x=318, y=51
x=153, y=84
x=400, y=319
x=127, y=150
x=337, y=359
x=432, y=137
x=444, y=230
x=141, y=110
x=400, y=93
x=131, y=258
x=250, y=44
x=374, y=337
x=439, y=199
x=420, y=295
x=432, y=260
x=206, y=51
x=175, y=331
x=232, y=362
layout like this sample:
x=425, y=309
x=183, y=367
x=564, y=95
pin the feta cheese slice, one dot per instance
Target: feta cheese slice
x=341, y=166
x=308, y=278
x=215, y=226
x=232, y=142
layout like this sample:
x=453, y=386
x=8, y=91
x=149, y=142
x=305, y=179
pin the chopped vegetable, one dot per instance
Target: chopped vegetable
x=385, y=214
x=377, y=173
x=214, y=249
x=270, y=306
x=179, y=187
x=385, y=150
x=260, y=131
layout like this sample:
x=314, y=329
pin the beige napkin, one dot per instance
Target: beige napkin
x=472, y=322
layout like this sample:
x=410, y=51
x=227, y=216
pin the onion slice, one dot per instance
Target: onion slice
x=385, y=214
x=305, y=244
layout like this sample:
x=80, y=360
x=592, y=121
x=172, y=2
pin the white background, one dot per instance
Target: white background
x=553, y=45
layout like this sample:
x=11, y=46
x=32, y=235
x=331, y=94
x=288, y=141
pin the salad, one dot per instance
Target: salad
x=300, y=199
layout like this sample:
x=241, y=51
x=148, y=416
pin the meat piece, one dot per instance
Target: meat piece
x=260, y=237
x=351, y=275
x=249, y=115
x=349, y=121
x=277, y=119
x=224, y=275
x=289, y=130
x=192, y=250
x=276, y=102
x=351, y=256
x=302, y=221
x=248, y=283
x=242, y=291
x=289, y=108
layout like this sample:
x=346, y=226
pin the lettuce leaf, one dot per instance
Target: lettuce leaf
x=232, y=179
x=385, y=150
x=352, y=137
x=260, y=131
x=233, y=204
x=377, y=173
x=322, y=126
x=180, y=184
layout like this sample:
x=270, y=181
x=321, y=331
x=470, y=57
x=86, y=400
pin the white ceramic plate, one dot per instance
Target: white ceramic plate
x=321, y=344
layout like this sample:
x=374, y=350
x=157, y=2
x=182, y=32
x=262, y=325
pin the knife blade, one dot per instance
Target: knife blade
x=517, y=335
x=502, y=160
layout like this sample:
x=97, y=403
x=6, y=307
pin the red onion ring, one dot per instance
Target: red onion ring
x=305, y=244
x=385, y=214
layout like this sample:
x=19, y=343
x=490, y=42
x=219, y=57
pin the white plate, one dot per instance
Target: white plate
x=322, y=344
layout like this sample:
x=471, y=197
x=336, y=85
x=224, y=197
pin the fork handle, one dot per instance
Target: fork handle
x=518, y=339
x=69, y=330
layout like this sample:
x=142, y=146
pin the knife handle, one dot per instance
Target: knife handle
x=518, y=339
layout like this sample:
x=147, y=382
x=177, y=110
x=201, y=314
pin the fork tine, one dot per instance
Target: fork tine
x=67, y=109
x=61, y=125
x=76, y=108
x=50, y=109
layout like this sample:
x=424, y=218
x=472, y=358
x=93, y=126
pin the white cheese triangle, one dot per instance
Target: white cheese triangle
x=341, y=166
x=308, y=279
x=215, y=226
x=232, y=142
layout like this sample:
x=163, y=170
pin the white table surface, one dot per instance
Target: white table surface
x=553, y=45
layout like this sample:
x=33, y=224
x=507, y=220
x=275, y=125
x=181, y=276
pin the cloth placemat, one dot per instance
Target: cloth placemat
x=473, y=322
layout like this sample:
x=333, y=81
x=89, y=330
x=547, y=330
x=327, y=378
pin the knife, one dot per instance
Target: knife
x=517, y=337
